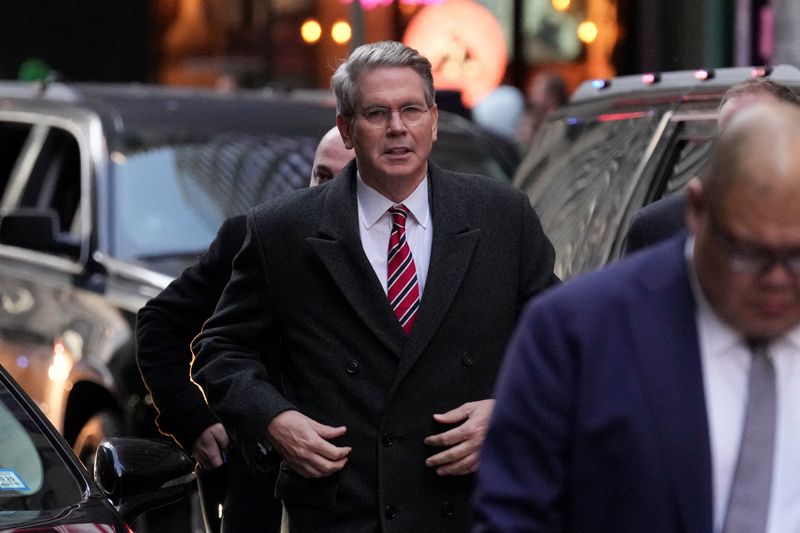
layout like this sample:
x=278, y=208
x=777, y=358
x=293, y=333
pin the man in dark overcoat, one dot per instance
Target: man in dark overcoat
x=384, y=300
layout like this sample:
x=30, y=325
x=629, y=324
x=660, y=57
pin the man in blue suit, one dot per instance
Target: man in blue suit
x=660, y=394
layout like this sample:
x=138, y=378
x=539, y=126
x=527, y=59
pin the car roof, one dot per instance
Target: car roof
x=141, y=107
x=684, y=82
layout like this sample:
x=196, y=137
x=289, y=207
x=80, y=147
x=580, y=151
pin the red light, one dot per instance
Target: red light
x=609, y=117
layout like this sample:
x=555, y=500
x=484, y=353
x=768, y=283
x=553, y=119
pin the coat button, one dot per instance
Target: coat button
x=467, y=359
x=387, y=439
x=390, y=512
x=447, y=509
x=351, y=367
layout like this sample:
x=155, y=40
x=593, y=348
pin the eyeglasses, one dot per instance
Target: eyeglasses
x=380, y=116
x=751, y=260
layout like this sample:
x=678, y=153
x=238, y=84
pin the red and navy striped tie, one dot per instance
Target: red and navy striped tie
x=402, y=286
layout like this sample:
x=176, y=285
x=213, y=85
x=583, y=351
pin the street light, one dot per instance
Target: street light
x=311, y=31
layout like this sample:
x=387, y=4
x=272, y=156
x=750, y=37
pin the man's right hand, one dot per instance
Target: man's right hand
x=208, y=449
x=303, y=444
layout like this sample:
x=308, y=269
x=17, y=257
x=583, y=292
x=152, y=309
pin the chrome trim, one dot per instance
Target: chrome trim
x=633, y=182
x=133, y=272
x=28, y=257
x=24, y=165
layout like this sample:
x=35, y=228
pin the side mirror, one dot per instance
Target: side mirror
x=139, y=474
x=36, y=229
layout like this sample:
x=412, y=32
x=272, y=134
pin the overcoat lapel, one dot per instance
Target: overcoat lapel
x=339, y=248
x=451, y=252
x=673, y=379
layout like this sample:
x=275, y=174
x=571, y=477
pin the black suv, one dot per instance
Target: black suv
x=618, y=145
x=107, y=193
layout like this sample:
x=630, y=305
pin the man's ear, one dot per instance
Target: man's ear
x=435, y=117
x=695, y=205
x=345, y=126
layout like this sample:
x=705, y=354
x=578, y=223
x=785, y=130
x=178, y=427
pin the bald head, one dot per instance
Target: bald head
x=760, y=143
x=330, y=158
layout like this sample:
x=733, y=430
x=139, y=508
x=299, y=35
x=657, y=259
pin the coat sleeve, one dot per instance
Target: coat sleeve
x=522, y=482
x=236, y=348
x=165, y=328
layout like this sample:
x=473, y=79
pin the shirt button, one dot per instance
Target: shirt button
x=390, y=512
x=447, y=509
x=387, y=439
x=351, y=367
x=467, y=359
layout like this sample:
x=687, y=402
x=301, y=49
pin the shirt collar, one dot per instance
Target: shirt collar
x=374, y=205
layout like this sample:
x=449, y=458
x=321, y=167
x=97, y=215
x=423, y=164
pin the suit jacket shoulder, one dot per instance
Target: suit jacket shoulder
x=602, y=380
x=656, y=222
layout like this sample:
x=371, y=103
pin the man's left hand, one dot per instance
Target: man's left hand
x=464, y=442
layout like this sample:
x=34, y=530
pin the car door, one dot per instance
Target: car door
x=54, y=328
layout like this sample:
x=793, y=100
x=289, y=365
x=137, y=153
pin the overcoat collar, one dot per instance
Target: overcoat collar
x=339, y=248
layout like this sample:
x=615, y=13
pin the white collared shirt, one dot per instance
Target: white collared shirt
x=375, y=226
x=726, y=366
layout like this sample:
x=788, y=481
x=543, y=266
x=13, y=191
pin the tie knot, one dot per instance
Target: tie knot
x=757, y=346
x=399, y=214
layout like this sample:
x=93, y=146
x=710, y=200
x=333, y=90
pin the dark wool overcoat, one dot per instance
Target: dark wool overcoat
x=305, y=302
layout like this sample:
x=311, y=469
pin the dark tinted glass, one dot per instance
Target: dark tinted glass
x=34, y=478
x=580, y=176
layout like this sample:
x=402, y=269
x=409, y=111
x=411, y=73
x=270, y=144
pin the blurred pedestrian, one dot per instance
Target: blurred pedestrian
x=165, y=328
x=665, y=217
x=500, y=111
x=385, y=299
x=498, y=114
x=545, y=93
x=660, y=393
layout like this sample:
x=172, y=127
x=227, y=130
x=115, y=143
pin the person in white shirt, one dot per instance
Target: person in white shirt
x=382, y=302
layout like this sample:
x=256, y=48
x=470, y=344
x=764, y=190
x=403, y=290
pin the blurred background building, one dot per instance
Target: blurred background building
x=475, y=45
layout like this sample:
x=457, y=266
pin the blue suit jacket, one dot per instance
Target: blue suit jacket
x=600, y=423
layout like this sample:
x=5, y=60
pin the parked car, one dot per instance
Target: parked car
x=106, y=193
x=618, y=145
x=43, y=486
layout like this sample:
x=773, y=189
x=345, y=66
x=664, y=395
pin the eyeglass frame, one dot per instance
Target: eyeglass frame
x=389, y=113
x=750, y=262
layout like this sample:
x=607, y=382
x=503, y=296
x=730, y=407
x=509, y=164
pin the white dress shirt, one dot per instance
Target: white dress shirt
x=375, y=226
x=726, y=366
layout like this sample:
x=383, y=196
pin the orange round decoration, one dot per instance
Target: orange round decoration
x=465, y=44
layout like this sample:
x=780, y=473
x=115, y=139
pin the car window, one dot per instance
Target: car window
x=44, y=184
x=13, y=136
x=169, y=200
x=34, y=478
x=55, y=179
x=580, y=176
x=693, y=141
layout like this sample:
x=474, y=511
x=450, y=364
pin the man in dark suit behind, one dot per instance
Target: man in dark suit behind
x=660, y=393
x=666, y=217
x=165, y=328
x=384, y=405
